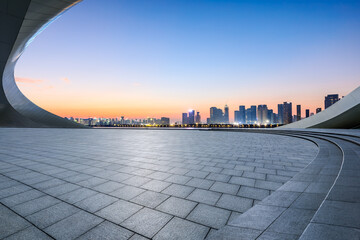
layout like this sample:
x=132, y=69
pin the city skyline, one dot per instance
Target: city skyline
x=160, y=58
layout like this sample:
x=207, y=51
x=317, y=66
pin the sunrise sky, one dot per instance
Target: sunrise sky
x=154, y=58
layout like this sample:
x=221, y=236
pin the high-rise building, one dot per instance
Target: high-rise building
x=262, y=114
x=318, y=110
x=242, y=114
x=198, y=118
x=216, y=115
x=185, y=119
x=253, y=114
x=280, y=113
x=226, y=114
x=165, y=121
x=287, y=112
x=236, y=116
x=298, y=112
x=191, y=116
x=270, y=116
x=330, y=99
x=307, y=113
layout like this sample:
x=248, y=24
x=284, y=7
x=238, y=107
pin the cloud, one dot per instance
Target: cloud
x=65, y=79
x=28, y=80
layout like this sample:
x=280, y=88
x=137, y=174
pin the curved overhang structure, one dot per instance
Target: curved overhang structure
x=20, y=22
x=345, y=113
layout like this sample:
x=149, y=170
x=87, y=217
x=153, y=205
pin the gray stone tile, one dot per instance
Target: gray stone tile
x=96, y=202
x=318, y=187
x=29, y=233
x=181, y=229
x=234, y=233
x=280, y=199
x=274, y=235
x=73, y=226
x=204, y=196
x=48, y=184
x=218, y=177
x=200, y=183
x=339, y=213
x=267, y=185
x=138, y=237
x=61, y=189
x=19, y=188
x=92, y=182
x=150, y=199
x=77, y=195
x=197, y=174
x=156, y=185
x=254, y=193
x=345, y=194
x=147, y=222
x=309, y=201
x=51, y=215
x=21, y=197
x=136, y=181
x=178, y=179
x=234, y=203
x=177, y=207
x=10, y=222
x=127, y=192
x=178, y=190
x=292, y=221
x=329, y=232
x=159, y=175
x=108, y=187
x=107, y=231
x=210, y=216
x=225, y=188
x=242, y=181
x=32, y=206
x=118, y=211
x=258, y=217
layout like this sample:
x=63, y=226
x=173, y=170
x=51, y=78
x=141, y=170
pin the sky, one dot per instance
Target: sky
x=154, y=58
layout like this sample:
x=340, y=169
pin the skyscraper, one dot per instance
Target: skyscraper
x=330, y=99
x=262, y=114
x=270, y=116
x=191, y=116
x=307, y=113
x=298, y=112
x=253, y=114
x=226, y=114
x=280, y=113
x=165, y=121
x=318, y=110
x=185, y=119
x=216, y=115
x=242, y=114
x=287, y=112
x=198, y=118
x=236, y=116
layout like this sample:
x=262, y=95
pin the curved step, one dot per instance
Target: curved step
x=290, y=210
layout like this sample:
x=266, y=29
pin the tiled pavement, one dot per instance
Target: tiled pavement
x=136, y=184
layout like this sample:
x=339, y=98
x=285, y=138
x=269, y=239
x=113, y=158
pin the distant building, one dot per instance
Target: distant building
x=262, y=114
x=239, y=116
x=217, y=116
x=191, y=116
x=185, y=119
x=280, y=113
x=318, y=110
x=331, y=99
x=307, y=113
x=198, y=118
x=287, y=112
x=250, y=115
x=270, y=116
x=226, y=114
x=298, y=112
x=165, y=121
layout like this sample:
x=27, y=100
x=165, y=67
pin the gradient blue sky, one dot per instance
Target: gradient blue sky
x=159, y=58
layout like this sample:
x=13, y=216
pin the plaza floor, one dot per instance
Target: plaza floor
x=146, y=184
